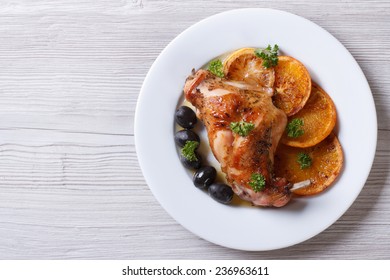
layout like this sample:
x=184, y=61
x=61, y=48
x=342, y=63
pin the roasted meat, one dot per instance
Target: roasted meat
x=220, y=103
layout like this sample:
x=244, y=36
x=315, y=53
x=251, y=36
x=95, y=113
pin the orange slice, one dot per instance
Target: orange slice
x=327, y=161
x=244, y=66
x=319, y=119
x=292, y=85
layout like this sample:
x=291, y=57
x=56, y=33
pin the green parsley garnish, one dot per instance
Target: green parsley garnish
x=294, y=128
x=269, y=56
x=188, y=151
x=242, y=128
x=216, y=68
x=257, y=182
x=304, y=160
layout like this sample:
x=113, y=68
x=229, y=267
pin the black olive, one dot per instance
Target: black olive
x=204, y=177
x=195, y=164
x=185, y=117
x=221, y=193
x=182, y=136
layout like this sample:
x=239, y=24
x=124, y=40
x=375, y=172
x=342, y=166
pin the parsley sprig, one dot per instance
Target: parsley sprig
x=216, y=68
x=188, y=151
x=304, y=160
x=242, y=128
x=269, y=55
x=257, y=182
x=294, y=128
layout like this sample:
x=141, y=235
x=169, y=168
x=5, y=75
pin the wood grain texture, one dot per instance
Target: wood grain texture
x=70, y=184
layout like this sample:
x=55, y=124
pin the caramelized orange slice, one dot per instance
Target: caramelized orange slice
x=319, y=119
x=292, y=85
x=326, y=163
x=244, y=66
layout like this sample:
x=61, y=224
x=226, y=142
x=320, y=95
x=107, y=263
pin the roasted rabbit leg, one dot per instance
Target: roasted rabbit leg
x=246, y=158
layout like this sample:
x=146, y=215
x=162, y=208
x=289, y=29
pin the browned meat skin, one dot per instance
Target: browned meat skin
x=220, y=102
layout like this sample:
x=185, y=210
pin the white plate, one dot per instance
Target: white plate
x=330, y=65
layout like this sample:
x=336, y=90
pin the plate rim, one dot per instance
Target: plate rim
x=137, y=128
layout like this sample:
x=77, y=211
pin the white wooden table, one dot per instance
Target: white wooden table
x=70, y=184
